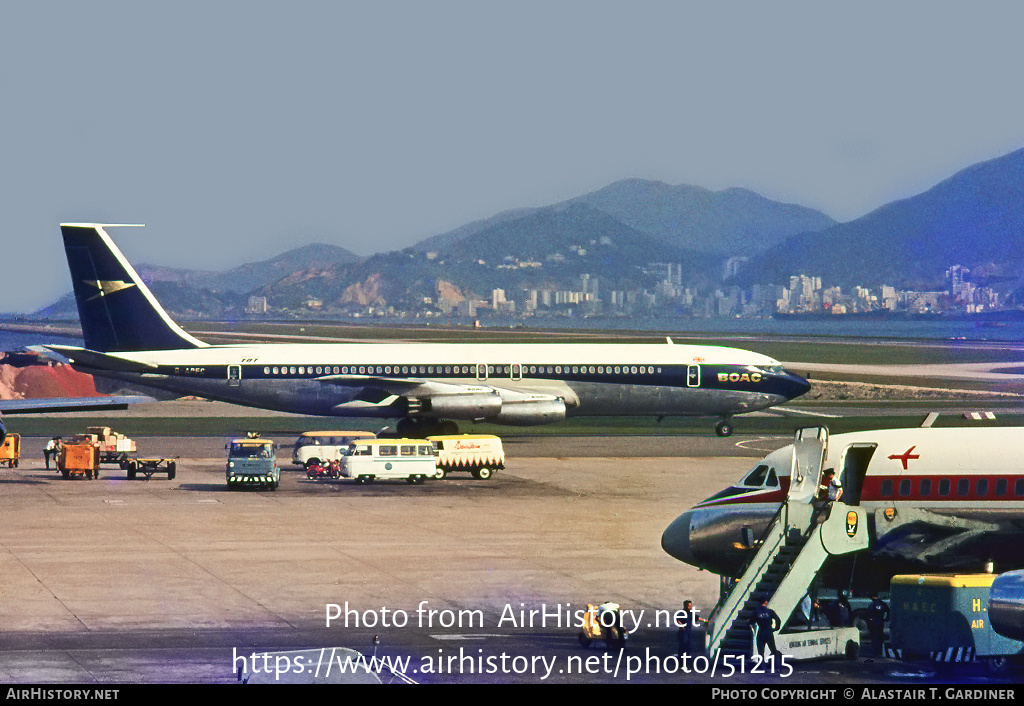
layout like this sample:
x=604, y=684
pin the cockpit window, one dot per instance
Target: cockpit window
x=763, y=475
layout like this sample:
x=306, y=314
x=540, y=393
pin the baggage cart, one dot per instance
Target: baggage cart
x=10, y=451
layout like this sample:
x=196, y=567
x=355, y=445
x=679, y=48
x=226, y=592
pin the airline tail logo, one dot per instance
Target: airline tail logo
x=907, y=456
x=107, y=287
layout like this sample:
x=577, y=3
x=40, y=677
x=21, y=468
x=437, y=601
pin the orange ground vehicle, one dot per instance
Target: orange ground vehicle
x=10, y=450
x=79, y=457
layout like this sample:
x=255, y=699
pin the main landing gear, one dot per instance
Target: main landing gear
x=422, y=428
x=724, y=428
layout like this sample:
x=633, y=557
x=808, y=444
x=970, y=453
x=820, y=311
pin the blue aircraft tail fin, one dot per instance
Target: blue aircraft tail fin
x=116, y=308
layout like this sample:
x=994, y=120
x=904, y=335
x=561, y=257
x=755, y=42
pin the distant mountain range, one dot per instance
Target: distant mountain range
x=613, y=233
x=974, y=218
x=730, y=222
x=253, y=275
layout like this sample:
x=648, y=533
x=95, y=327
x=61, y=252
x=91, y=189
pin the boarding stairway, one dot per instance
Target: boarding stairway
x=790, y=553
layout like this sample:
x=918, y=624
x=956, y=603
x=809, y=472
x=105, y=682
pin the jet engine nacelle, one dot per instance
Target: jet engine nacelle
x=530, y=412
x=477, y=405
x=1006, y=605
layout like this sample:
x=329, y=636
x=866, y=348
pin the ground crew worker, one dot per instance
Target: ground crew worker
x=829, y=491
x=51, y=449
x=878, y=613
x=766, y=621
x=687, y=619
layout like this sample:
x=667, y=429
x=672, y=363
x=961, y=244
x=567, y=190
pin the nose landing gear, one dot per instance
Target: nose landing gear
x=724, y=428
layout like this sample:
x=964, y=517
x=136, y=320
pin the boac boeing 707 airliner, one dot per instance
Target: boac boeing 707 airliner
x=426, y=386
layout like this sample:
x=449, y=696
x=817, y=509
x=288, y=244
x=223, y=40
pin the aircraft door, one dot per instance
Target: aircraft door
x=693, y=376
x=809, y=448
x=855, y=466
x=481, y=371
x=234, y=375
x=516, y=371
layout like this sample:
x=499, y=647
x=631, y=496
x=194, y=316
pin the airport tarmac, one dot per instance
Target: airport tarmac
x=158, y=581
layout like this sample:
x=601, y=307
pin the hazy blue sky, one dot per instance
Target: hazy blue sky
x=236, y=130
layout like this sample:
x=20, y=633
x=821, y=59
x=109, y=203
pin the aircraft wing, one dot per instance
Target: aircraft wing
x=70, y=404
x=461, y=400
x=415, y=387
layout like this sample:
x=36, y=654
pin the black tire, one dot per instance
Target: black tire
x=616, y=638
x=440, y=474
x=852, y=650
x=584, y=640
x=172, y=470
x=997, y=665
x=132, y=467
x=859, y=620
x=724, y=428
x=482, y=473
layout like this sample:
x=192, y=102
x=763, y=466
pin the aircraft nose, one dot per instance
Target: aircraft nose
x=792, y=385
x=675, y=540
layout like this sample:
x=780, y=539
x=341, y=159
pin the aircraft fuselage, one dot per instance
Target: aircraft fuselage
x=129, y=336
x=937, y=500
x=378, y=379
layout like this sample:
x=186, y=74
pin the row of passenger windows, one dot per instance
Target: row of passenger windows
x=389, y=450
x=459, y=370
x=965, y=487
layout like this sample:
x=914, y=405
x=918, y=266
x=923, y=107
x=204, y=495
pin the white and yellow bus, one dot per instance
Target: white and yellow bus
x=369, y=459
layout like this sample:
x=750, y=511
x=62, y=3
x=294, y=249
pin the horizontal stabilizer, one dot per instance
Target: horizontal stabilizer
x=99, y=361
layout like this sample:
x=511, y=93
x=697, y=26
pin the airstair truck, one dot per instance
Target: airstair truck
x=789, y=555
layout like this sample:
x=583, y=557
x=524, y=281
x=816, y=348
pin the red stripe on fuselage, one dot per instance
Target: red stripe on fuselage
x=745, y=496
x=944, y=487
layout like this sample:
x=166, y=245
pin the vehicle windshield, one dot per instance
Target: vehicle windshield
x=250, y=450
x=323, y=441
